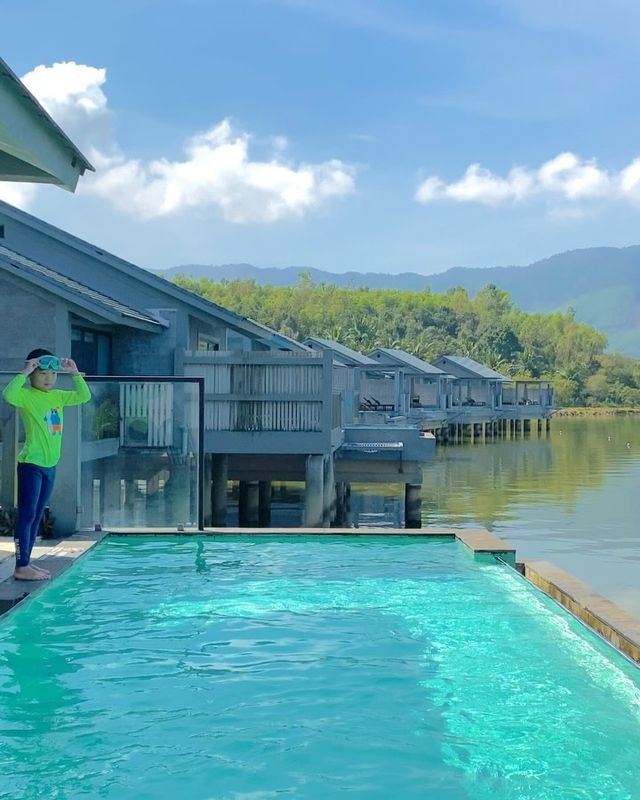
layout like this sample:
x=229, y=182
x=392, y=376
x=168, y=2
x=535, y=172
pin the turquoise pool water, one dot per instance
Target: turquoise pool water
x=235, y=669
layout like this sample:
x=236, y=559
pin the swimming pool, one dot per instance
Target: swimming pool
x=236, y=668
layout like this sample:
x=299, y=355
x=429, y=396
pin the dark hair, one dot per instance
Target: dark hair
x=39, y=351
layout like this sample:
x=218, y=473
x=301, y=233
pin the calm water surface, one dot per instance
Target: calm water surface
x=570, y=497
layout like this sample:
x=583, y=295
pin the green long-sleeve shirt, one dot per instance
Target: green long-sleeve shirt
x=43, y=416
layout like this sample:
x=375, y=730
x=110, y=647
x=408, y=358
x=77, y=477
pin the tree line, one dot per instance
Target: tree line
x=487, y=327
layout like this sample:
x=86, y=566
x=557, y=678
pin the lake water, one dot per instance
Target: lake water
x=570, y=497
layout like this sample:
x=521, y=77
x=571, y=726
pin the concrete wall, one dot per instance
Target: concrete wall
x=426, y=392
x=29, y=320
x=383, y=390
x=141, y=353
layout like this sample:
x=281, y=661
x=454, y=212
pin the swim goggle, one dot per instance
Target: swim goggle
x=49, y=362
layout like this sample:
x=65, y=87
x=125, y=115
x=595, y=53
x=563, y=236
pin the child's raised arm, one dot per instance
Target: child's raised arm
x=81, y=394
x=13, y=391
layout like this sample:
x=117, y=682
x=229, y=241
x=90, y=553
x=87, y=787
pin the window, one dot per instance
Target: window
x=91, y=350
x=207, y=343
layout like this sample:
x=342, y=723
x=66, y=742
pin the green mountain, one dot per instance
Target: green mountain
x=602, y=284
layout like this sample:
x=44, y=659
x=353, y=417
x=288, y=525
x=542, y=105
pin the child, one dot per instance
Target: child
x=42, y=411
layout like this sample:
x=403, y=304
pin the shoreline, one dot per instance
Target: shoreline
x=596, y=411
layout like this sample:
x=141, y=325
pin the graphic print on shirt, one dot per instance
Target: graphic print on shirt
x=54, y=423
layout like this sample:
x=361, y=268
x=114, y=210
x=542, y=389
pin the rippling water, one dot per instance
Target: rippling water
x=571, y=497
x=249, y=669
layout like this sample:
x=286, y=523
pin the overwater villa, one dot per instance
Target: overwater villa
x=184, y=387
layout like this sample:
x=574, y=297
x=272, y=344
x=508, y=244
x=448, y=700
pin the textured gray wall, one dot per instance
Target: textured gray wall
x=27, y=321
x=137, y=352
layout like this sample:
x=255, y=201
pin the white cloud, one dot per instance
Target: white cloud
x=216, y=172
x=72, y=94
x=565, y=177
x=17, y=194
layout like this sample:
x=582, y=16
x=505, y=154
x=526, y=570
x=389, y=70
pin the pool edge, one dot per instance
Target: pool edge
x=55, y=555
x=601, y=615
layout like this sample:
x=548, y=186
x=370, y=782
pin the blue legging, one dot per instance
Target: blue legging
x=35, y=485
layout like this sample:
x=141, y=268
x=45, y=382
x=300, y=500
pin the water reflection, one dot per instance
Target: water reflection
x=568, y=498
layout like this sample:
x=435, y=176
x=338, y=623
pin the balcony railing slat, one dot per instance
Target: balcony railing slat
x=256, y=391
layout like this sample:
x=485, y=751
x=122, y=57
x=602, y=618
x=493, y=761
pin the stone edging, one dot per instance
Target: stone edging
x=601, y=615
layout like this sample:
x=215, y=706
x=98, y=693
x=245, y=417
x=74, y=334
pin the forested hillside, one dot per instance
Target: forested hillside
x=487, y=327
x=601, y=284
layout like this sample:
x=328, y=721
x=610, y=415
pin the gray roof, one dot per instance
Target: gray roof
x=244, y=325
x=474, y=366
x=344, y=353
x=77, y=292
x=406, y=359
x=6, y=73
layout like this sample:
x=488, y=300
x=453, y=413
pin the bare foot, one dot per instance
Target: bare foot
x=29, y=574
x=40, y=569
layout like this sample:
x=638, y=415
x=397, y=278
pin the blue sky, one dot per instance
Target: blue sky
x=339, y=135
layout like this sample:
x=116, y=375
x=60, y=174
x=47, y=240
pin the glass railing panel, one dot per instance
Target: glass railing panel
x=141, y=454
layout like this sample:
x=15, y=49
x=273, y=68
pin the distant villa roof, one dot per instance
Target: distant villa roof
x=77, y=292
x=345, y=354
x=33, y=147
x=473, y=366
x=390, y=355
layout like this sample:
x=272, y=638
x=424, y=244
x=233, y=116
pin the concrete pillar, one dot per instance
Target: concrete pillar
x=181, y=485
x=111, y=493
x=65, y=502
x=341, y=505
x=314, y=491
x=347, y=504
x=328, y=495
x=218, y=489
x=248, y=504
x=264, y=504
x=412, y=505
x=87, y=518
x=206, y=490
x=548, y=425
x=99, y=474
x=8, y=498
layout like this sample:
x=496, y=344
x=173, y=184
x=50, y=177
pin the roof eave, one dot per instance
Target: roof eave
x=34, y=106
x=80, y=301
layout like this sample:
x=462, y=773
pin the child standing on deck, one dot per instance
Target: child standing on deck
x=42, y=410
